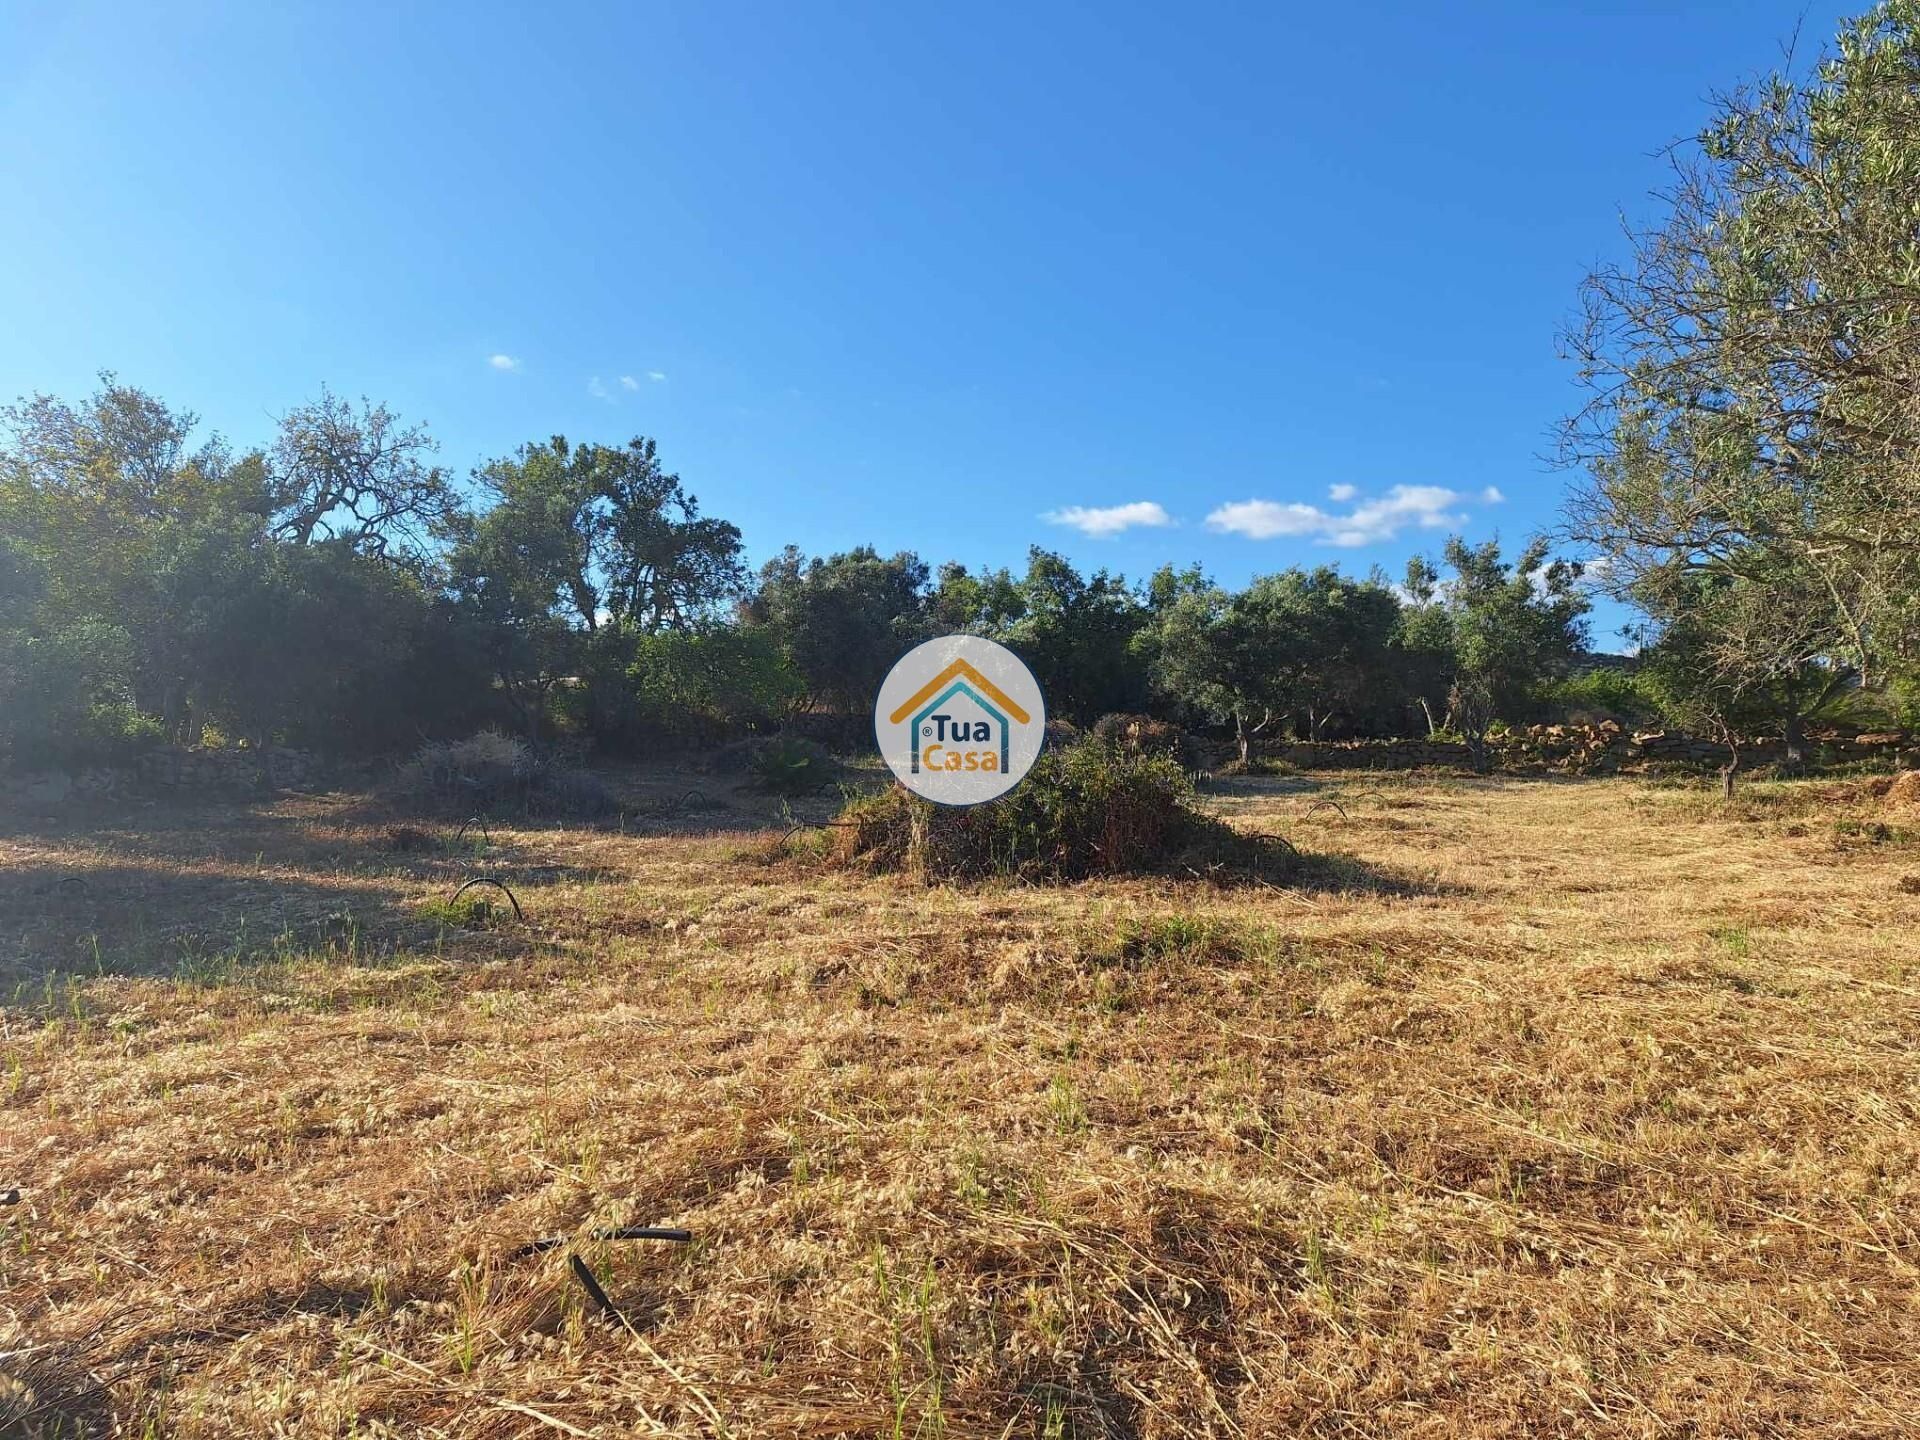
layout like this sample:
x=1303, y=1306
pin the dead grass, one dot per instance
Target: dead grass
x=1599, y=1120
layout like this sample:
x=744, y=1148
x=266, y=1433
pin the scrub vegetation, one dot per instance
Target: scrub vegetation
x=1087, y=809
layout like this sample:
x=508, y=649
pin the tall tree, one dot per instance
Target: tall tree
x=357, y=474
x=97, y=496
x=618, y=537
x=507, y=573
x=1731, y=659
x=1514, y=626
x=1076, y=633
x=983, y=604
x=1755, y=366
x=843, y=620
x=1213, y=652
x=1301, y=644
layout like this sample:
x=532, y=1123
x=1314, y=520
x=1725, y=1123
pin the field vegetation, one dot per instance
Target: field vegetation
x=1560, y=1108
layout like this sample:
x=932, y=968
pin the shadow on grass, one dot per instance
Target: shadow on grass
x=692, y=807
x=79, y=916
x=160, y=905
x=48, y=1394
x=1265, y=861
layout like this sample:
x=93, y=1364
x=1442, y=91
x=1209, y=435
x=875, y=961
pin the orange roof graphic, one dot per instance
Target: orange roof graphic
x=959, y=667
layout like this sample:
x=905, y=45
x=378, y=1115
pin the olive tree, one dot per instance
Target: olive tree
x=1753, y=413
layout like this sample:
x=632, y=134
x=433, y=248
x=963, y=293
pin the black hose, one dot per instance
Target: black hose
x=518, y=913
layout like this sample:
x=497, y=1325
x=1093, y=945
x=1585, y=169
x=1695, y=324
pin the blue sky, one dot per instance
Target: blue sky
x=1276, y=286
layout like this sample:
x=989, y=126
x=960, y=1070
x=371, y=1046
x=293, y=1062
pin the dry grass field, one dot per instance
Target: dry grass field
x=1553, y=1108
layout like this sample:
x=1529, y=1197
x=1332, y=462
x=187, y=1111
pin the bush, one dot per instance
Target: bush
x=65, y=698
x=116, y=732
x=1597, y=695
x=778, y=764
x=491, y=772
x=787, y=765
x=1090, y=809
x=704, y=682
x=1145, y=735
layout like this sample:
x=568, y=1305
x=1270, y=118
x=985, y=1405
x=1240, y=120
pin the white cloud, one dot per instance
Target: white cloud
x=1593, y=575
x=1441, y=590
x=597, y=388
x=1102, y=521
x=656, y=376
x=1342, y=493
x=627, y=382
x=1428, y=507
x=1595, y=572
x=1492, y=495
x=1265, y=519
x=504, y=362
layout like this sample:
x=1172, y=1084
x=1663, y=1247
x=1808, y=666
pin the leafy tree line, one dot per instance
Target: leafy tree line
x=335, y=589
x=1747, y=479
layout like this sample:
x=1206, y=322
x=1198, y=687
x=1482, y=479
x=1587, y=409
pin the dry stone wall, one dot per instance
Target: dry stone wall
x=171, y=771
x=1585, y=749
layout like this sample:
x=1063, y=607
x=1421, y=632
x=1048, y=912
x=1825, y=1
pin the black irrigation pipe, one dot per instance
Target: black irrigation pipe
x=584, y=1275
x=1329, y=805
x=518, y=913
x=473, y=822
x=583, y=1272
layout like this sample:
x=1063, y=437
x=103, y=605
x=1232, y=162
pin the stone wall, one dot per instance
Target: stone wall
x=1584, y=749
x=173, y=771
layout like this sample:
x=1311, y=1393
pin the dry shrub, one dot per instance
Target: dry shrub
x=1144, y=735
x=491, y=772
x=1903, y=791
x=1090, y=809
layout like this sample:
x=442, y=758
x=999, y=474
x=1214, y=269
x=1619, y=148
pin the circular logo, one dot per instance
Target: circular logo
x=960, y=720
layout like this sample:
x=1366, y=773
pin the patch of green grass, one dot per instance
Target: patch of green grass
x=1064, y=1107
x=1199, y=939
x=1733, y=940
x=472, y=911
x=1874, y=832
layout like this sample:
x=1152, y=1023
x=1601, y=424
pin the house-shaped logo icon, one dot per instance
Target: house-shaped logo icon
x=957, y=679
x=959, y=719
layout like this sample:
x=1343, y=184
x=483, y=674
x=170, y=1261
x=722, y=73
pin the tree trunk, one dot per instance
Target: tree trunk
x=1728, y=770
x=1433, y=726
x=1796, y=741
x=1243, y=738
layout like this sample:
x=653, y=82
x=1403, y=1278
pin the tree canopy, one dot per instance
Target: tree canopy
x=1750, y=451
